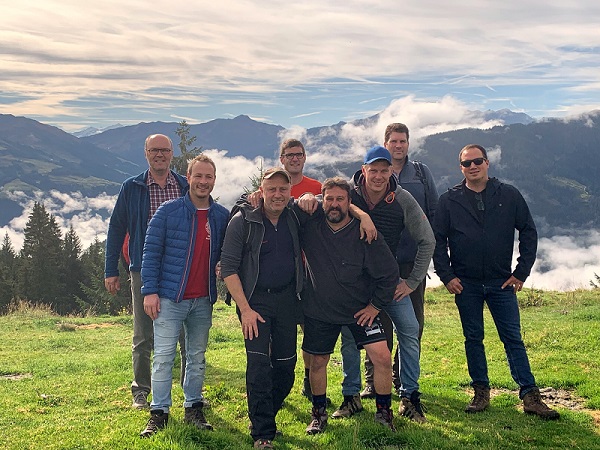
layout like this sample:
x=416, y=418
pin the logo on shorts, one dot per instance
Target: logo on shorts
x=375, y=328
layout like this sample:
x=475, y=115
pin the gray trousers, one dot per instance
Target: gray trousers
x=143, y=340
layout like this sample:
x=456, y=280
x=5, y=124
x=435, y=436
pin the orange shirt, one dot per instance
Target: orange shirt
x=306, y=185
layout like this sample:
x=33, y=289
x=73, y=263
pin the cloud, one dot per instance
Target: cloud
x=59, y=55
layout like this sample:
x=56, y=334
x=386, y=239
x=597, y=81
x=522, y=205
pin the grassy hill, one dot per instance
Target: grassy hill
x=64, y=384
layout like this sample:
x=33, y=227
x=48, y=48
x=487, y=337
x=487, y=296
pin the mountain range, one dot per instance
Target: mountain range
x=552, y=161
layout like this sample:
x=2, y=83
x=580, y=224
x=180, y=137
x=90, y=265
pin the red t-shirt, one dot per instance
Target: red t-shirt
x=197, y=285
x=306, y=185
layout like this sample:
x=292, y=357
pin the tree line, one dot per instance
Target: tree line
x=54, y=270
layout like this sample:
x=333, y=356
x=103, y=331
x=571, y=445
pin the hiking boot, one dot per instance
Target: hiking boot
x=348, y=407
x=263, y=443
x=368, y=391
x=412, y=408
x=278, y=432
x=480, y=401
x=140, y=400
x=195, y=416
x=385, y=417
x=158, y=420
x=533, y=404
x=319, y=421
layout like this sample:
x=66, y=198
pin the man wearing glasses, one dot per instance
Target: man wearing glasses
x=292, y=157
x=476, y=221
x=138, y=200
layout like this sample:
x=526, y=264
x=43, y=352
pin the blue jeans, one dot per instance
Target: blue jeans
x=504, y=309
x=406, y=326
x=195, y=315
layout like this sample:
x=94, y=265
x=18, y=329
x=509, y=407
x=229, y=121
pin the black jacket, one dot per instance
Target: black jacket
x=482, y=250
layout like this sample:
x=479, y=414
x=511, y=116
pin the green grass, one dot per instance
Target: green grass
x=64, y=384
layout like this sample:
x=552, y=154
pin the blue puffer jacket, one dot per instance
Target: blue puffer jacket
x=169, y=247
x=131, y=214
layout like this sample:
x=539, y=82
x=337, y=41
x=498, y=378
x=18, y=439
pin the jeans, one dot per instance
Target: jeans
x=504, y=309
x=350, y=364
x=195, y=315
x=142, y=342
x=271, y=359
x=406, y=325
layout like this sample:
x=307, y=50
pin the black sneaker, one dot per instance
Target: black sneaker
x=368, y=391
x=195, y=416
x=412, y=408
x=319, y=421
x=158, y=420
x=348, y=408
x=140, y=400
x=385, y=417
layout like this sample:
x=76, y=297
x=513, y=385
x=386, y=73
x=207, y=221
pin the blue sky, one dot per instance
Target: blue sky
x=75, y=64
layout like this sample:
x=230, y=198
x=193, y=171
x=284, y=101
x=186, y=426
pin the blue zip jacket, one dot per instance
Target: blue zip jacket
x=131, y=214
x=169, y=247
x=481, y=251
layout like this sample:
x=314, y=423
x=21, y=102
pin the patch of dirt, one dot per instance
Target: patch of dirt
x=16, y=376
x=554, y=397
x=95, y=326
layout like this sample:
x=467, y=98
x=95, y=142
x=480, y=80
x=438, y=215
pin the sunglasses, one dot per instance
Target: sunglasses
x=477, y=161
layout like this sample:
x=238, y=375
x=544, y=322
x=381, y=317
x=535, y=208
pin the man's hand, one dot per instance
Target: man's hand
x=402, y=290
x=250, y=319
x=454, y=286
x=516, y=284
x=308, y=203
x=366, y=316
x=112, y=285
x=152, y=305
x=254, y=198
x=367, y=229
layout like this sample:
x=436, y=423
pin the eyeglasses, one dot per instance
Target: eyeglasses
x=480, y=204
x=292, y=155
x=156, y=151
x=477, y=161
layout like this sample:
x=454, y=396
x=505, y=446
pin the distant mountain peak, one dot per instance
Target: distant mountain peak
x=90, y=131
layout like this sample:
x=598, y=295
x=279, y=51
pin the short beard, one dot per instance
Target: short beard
x=337, y=219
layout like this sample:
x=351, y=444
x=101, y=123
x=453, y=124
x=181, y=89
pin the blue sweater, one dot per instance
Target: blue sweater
x=169, y=247
x=131, y=215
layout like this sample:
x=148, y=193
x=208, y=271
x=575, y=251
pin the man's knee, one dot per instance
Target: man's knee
x=380, y=355
x=318, y=362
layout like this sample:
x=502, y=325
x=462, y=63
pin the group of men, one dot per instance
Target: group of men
x=288, y=257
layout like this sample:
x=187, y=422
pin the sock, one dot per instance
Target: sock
x=383, y=401
x=348, y=398
x=320, y=401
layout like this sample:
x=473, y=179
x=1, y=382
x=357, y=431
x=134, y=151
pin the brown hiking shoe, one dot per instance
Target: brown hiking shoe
x=533, y=404
x=348, y=408
x=385, y=417
x=319, y=421
x=480, y=401
x=412, y=408
x=195, y=416
x=158, y=420
x=263, y=443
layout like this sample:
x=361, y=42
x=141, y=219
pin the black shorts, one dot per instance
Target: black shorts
x=320, y=337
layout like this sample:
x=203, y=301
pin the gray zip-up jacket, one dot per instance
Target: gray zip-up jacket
x=241, y=247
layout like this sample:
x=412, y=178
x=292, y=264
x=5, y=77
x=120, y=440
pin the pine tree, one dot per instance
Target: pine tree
x=40, y=278
x=72, y=272
x=8, y=279
x=180, y=163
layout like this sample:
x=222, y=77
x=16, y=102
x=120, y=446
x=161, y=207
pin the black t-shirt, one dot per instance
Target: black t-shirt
x=276, y=260
x=477, y=201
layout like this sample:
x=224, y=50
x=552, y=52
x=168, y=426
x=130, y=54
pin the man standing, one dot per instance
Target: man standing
x=181, y=250
x=416, y=178
x=392, y=210
x=137, y=202
x=349, y=281
x=262, y=268
x=476, y=222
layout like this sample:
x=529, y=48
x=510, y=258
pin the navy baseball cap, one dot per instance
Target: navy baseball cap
x=376, y=153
